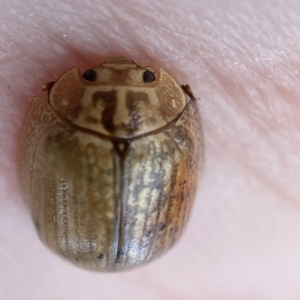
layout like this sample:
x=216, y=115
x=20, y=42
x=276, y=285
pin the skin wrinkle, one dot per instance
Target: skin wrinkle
x=263, y=132
x=261, y=176
x=242, y=60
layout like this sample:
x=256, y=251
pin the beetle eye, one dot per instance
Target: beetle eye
x=89, y=75
x=148, y=76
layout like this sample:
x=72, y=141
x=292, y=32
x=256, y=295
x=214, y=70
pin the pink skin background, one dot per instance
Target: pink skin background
x=242, y=59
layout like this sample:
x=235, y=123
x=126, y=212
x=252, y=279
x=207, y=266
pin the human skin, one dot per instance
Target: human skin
x=242, y=59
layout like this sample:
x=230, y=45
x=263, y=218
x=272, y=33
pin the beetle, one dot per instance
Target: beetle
x=109, y=164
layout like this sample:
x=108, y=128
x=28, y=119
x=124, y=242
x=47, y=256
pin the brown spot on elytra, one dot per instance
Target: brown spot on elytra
x=147, y=233
x=162, y=227
x=109, y=103
x=100, y=256
x=120, y=254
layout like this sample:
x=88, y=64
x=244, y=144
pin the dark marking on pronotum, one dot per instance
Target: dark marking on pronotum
x=109, y=103
x=100, y=256
x=133, y=101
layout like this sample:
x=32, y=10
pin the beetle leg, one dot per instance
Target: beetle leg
x=47, y=86
x=188, y=91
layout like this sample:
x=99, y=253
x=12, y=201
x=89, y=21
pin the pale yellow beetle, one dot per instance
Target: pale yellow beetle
x=109, y=164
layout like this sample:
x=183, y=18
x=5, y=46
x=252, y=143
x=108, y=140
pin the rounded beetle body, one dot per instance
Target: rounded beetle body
x=109, y=164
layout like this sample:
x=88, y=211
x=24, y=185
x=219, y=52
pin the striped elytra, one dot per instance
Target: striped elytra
x=109, y=164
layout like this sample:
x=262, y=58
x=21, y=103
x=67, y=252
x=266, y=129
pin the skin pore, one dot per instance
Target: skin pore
x=242, y=60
